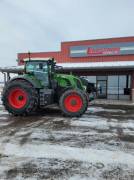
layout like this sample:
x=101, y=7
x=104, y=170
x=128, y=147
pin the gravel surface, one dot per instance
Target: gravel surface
x=98, y=145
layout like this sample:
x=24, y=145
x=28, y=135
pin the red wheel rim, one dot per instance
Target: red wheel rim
x=73, y=103
x=17, y=98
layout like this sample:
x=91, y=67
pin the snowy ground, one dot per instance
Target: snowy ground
x=98, y=145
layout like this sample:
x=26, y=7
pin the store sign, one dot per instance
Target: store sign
x=102, y=50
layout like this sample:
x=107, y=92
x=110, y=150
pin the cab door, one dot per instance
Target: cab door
x=40, y=71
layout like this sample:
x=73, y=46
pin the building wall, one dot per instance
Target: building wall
x=65, y=46
x=63, y=56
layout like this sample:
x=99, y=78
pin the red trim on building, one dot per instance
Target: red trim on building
x=63, y=56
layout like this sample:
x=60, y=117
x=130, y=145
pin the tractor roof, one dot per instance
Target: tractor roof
x=38, y=59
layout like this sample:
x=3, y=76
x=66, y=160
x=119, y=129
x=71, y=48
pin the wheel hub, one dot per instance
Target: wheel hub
x=73, y=103
x=17, y=98
x=20, y=98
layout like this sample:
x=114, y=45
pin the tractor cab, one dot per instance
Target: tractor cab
x=42, y=69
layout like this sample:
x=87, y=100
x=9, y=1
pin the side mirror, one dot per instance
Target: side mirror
x=58, y=68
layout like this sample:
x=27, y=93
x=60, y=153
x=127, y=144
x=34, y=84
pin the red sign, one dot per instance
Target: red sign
x=103, y=51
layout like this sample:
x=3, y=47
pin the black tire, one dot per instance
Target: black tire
x=31, y=101
x=87, y=99
x=76, y=105
x=59, y=91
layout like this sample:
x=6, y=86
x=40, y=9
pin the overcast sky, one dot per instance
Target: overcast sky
x=41, y=25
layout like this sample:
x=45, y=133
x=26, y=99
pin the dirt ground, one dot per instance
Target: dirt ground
x=98, y=145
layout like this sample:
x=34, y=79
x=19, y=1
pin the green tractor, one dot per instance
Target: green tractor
x=40, y=85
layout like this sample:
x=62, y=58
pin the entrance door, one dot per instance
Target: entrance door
x=102, y=92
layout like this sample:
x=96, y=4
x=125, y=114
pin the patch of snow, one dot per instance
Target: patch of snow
x=67, y=153
x=115, y=110
x=128, y=132
x=124, y=125
x=90, y=118
x=102, y=123
x=127, y=125
x=95, y=109
x=3, y=118
x=91, y=132
x=100, y=109
x=0, y=95
x=2, y=112
x=94, y=124
x=22, y=133
x=58, y=119
x=5, y=123
x=79, y=177
x=39, y=134
x=113, y=120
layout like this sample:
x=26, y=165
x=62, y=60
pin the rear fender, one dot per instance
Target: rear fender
x=29, y=80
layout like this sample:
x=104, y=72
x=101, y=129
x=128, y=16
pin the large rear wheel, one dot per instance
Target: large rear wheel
x=20, y=98
x=73, y=103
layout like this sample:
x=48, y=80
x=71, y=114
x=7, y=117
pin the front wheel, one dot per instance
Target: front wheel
x=73, y=103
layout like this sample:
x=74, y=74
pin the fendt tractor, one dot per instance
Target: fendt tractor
x=40, y=85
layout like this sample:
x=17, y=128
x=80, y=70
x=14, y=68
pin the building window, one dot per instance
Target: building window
x=118, y=87
x=102, y=87
x=101, y=78
x=92, y=79
x=112, y=90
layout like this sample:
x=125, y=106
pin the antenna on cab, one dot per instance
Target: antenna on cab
x=29, y=55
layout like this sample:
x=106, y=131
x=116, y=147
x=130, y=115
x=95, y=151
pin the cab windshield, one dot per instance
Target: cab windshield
x=40, y=71
x=36, y=67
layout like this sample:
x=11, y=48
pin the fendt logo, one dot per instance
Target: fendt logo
x=103, y=51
